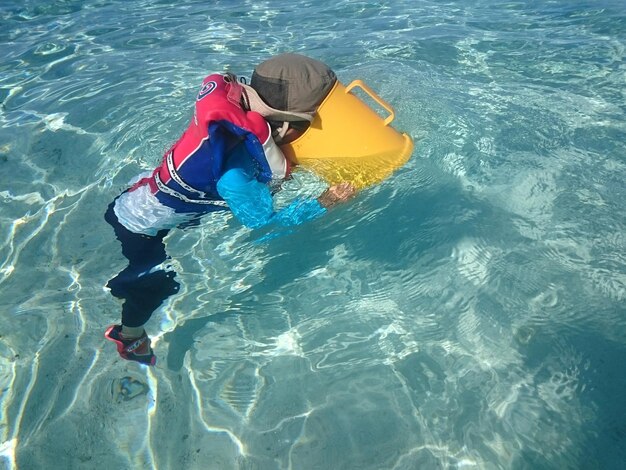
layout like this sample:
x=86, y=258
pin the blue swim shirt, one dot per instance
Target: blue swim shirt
x=251, y=201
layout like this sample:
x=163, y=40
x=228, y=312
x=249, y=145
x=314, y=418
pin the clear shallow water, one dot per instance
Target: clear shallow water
x=469, y=312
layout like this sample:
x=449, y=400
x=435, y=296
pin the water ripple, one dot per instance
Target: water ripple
x=458, y=314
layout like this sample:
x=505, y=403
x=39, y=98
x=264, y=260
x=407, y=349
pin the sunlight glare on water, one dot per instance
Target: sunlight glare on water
x=468, y=312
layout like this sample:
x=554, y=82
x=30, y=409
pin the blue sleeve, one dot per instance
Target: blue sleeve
x=252, y=202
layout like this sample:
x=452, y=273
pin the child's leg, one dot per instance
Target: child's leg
x=142, y=287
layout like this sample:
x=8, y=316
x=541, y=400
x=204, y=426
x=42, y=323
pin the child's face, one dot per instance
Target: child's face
x=291, y=135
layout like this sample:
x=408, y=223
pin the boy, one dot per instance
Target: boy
x=227, y=159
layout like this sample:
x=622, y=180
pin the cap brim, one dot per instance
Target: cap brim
x=258, y=105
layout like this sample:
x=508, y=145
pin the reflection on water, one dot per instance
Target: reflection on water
x=466, y=312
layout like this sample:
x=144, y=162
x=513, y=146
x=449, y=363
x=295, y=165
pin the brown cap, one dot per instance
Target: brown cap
x=289, y=87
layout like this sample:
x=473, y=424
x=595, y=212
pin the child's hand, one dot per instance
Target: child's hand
x=335, y=194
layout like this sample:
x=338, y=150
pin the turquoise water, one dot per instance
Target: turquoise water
x=469, y=312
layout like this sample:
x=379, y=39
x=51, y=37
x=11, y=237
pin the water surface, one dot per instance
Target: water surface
x=468, y=312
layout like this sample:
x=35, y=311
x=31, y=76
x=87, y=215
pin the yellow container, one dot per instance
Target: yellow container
x=349, y=141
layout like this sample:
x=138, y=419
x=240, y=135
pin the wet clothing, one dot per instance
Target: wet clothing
x=226, y=159
x=145, y=283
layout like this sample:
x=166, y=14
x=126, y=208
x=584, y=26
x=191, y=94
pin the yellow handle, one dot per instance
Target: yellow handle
x=375, y=97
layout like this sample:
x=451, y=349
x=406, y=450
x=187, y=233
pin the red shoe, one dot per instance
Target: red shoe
x=135, y=349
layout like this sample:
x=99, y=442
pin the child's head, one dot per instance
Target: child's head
x=289, y=87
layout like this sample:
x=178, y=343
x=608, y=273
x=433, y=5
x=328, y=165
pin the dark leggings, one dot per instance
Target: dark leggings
x=141, y=288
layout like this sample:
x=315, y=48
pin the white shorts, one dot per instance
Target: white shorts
x=141, y=212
